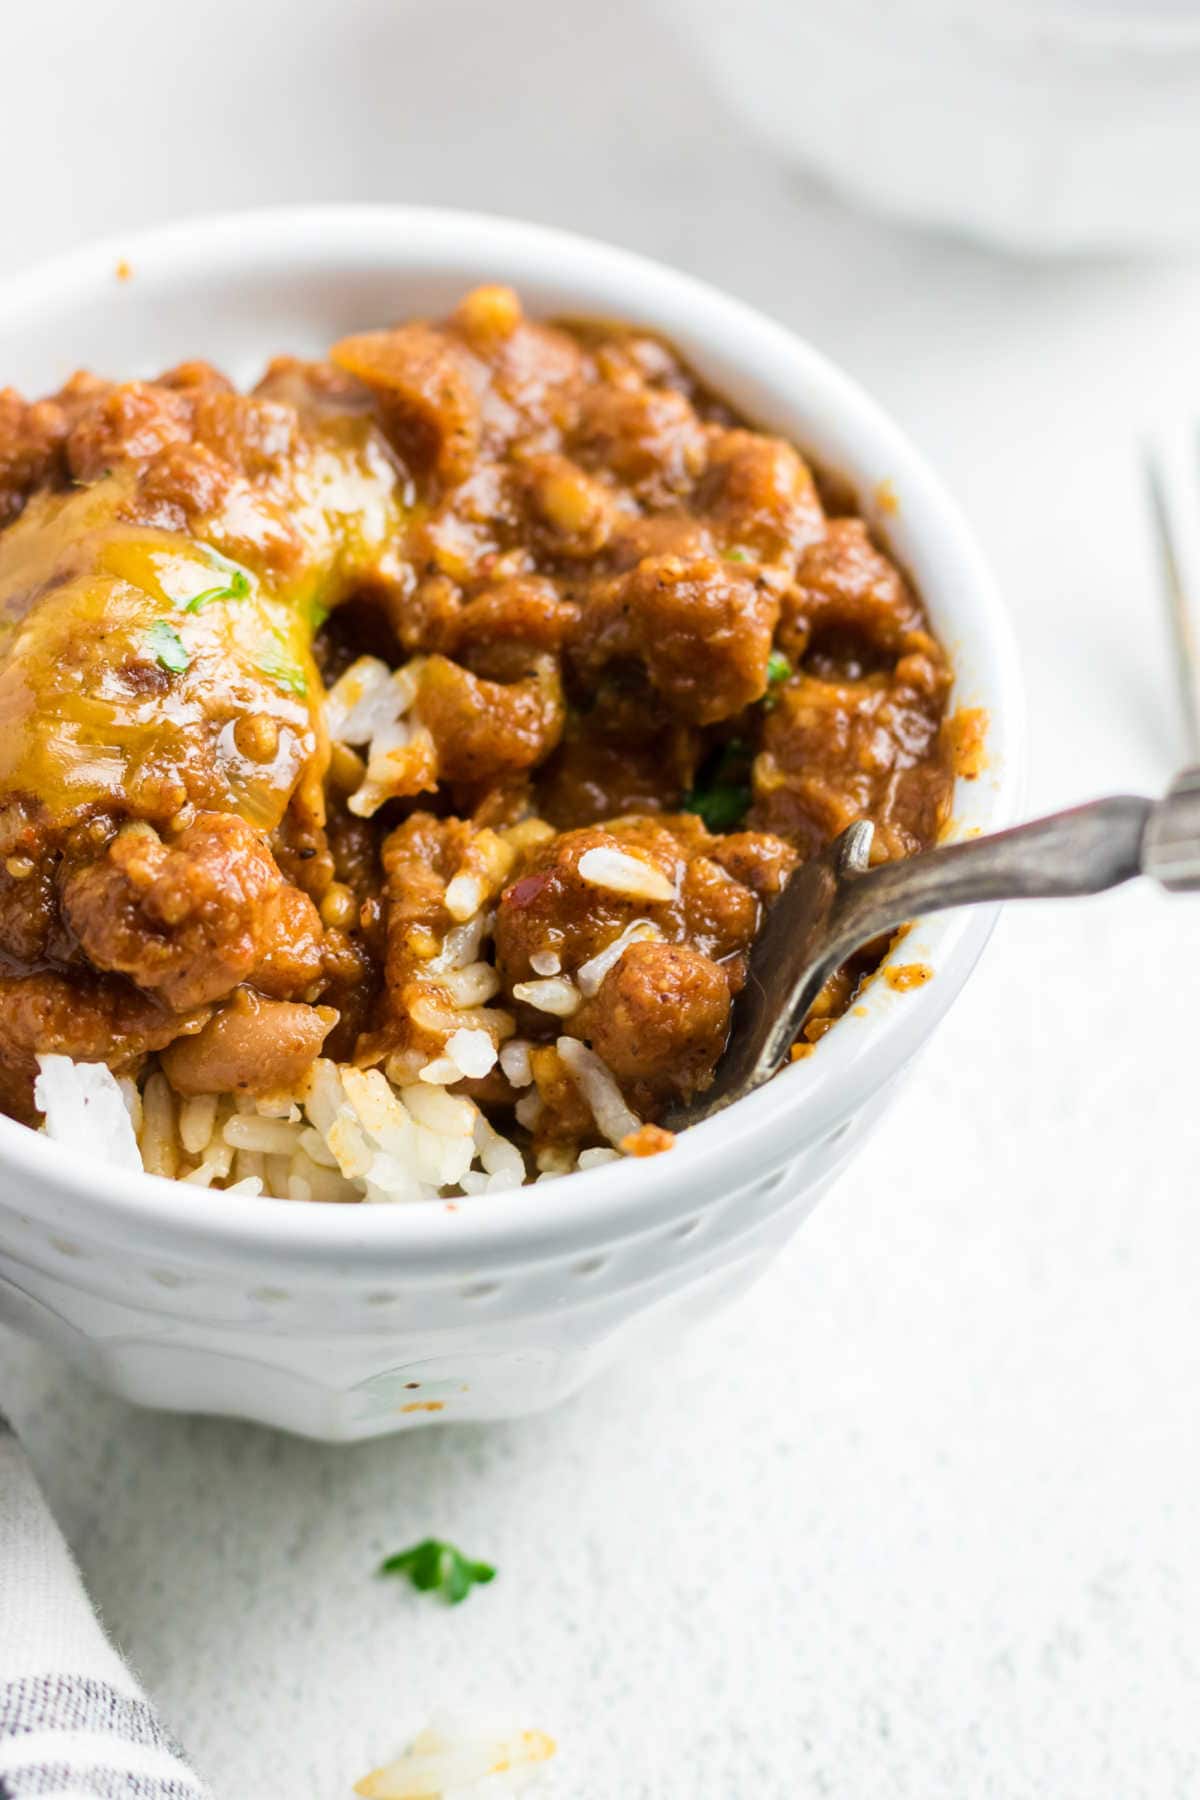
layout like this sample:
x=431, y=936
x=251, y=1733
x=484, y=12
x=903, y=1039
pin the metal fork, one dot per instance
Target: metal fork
x=1172, y=469
x=836, y=903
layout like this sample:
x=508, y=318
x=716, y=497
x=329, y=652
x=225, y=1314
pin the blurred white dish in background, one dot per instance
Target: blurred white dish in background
x=1056, y=127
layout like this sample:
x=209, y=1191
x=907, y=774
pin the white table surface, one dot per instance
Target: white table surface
x=919, y=1517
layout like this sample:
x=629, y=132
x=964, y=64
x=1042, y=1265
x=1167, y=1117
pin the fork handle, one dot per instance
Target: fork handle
x=1171, y=847
x=1082, y=851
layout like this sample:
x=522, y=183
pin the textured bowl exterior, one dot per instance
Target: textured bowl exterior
x=356, y=1357
x=349, y=1322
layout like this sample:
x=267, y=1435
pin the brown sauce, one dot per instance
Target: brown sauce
x=633, y=628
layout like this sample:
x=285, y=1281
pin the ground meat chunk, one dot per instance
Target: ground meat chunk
x=252, y=1046
x=596, y=776
x=131, y=423
x=554, y=906
x=31, y=443
x=28, y=908
x=758, y=860
x=661, y=1017
x=426, y=617
x=182, y=485
x=534, y=375
x=701, y=628
x=837, y=751
x=762, y=496
x=313, y=388
x=195, y=374
x=501, y=630
x=429, y=402
x=475, y=523
x=289, y=961
x=649, y=438
x=848, y=596
x=659, y=534
x=485, y=730
x=188, y=487
x=186, y=921
x=251, y=433
x=89, y=1017
x=573, y=512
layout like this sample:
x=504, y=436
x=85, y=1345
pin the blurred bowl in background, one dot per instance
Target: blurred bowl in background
x=1059, y=127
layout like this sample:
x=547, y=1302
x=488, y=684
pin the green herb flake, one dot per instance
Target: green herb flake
x=236, y=588
x=284, y=674
x=167, y=647
x=437, y=1567
x=721, y=808
x=737, y=554
x=722, y=795
x=778, y=668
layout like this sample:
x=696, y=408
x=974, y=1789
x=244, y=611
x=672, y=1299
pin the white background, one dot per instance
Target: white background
x=919, y=1518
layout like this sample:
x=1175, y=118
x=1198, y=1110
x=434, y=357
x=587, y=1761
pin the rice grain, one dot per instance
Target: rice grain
x=620, y=873
x=514, y=1062
x=596, y=1084
x=590, y=974
x=197, y=1116
x=554, y=995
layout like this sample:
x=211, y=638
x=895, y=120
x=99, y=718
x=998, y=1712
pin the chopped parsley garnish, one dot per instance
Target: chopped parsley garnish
x=778, y=670
x=737, y=554
x=166, y=647
x=722, y=792
x=236, y=588
x=436, y=1567
x=721, y=808
x=284, y=674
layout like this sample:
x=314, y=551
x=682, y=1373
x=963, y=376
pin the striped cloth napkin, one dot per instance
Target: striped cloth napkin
x=74, y=1724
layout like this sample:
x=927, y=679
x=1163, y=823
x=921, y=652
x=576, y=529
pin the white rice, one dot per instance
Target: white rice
x=445, y=1762
x=472, y=1051
x=473, y=986
x=529, y=1109
x=590, y=975
x=595, y=1159
x=621, y=873
x=84, y=1106
x=514, y=1062
x=355, y=1137
x=464, y=896
x=367, y=699
x=462, y=944
x=554, y=995
x=197, y=1116
x=369, y=706
x=595, y=1083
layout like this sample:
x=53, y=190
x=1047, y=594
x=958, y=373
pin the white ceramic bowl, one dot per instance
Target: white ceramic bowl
x=346, y=1322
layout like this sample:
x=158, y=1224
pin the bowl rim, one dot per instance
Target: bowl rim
x=814, y=1096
